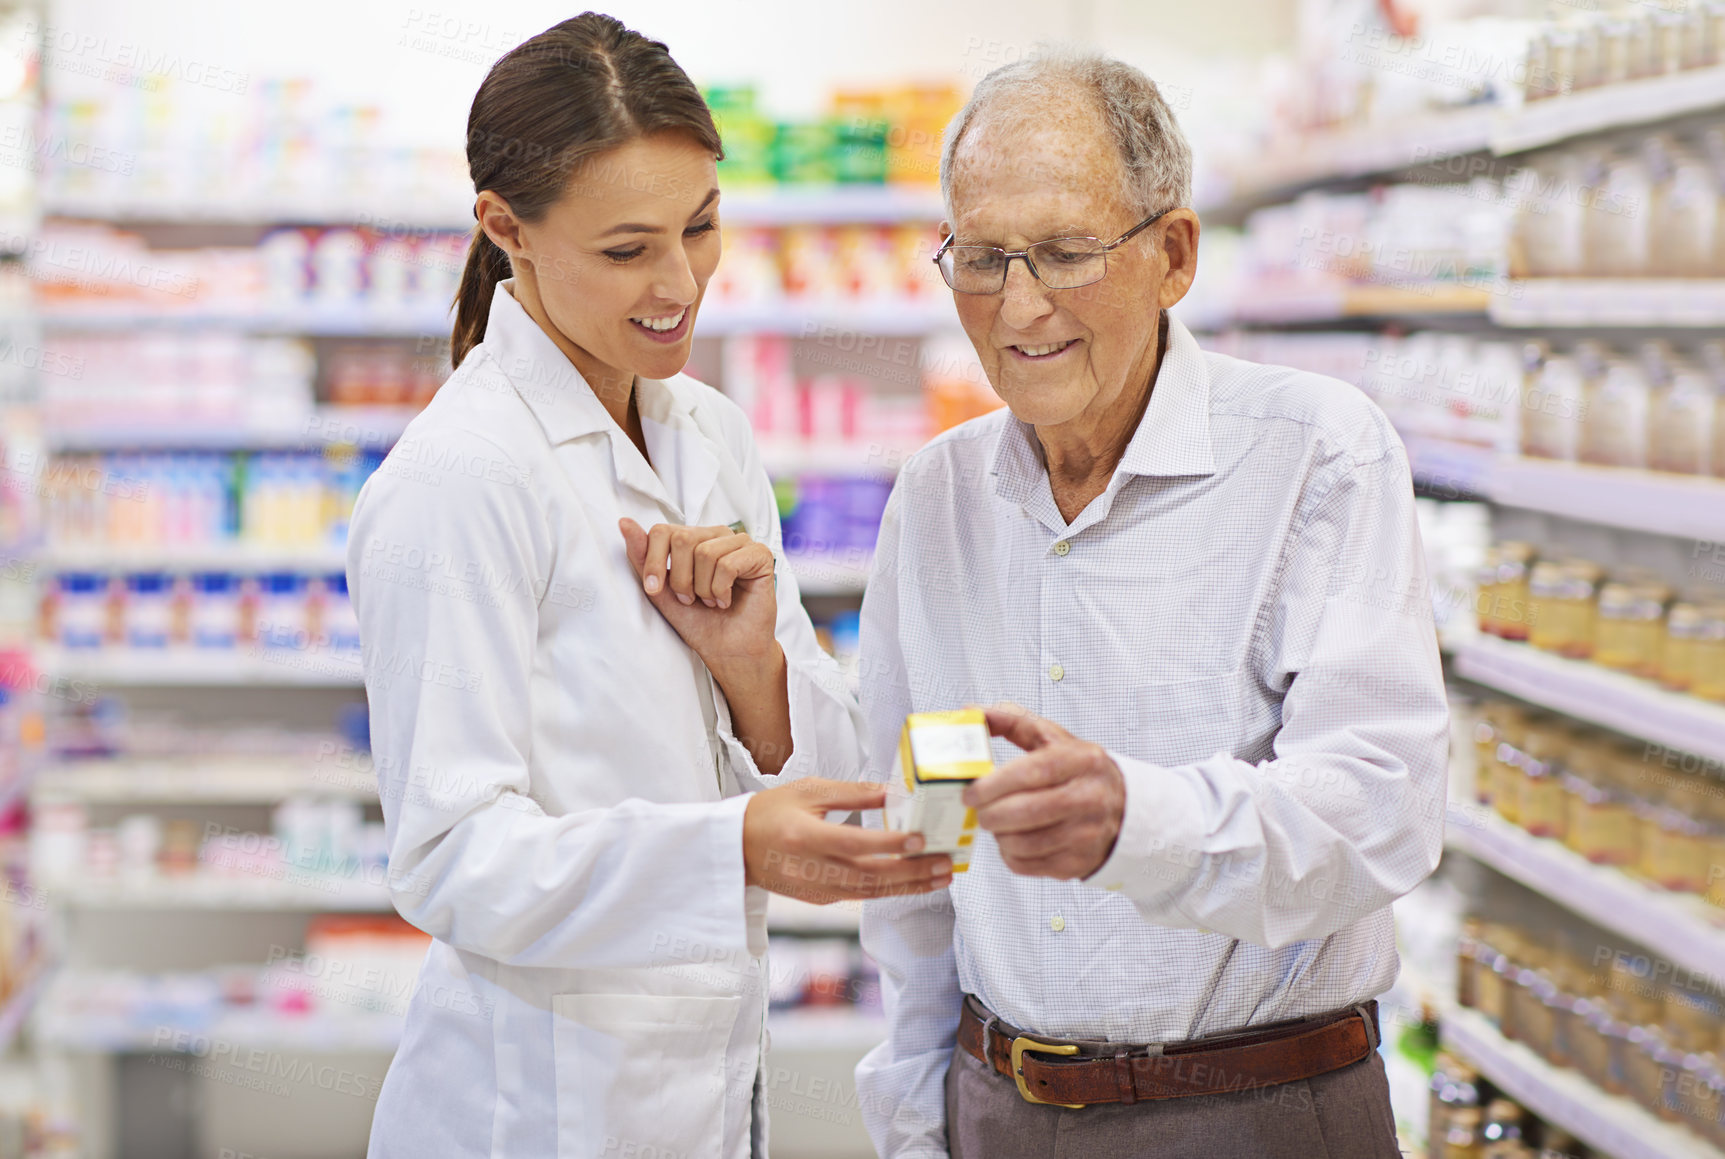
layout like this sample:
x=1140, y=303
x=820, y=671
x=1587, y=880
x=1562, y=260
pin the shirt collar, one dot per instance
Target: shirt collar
x=1172, y=439
x=567, y=409
x=548, y=382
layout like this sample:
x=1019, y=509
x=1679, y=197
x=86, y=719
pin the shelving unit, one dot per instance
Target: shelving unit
x=217, y=781
x=204, y=668
x=1625, y=704
x=1680, y=928
x=294, y=890
x=1339, y=156
x=1614, y=1125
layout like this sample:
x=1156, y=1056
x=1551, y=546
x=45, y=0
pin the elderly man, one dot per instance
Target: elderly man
x=1191, y=587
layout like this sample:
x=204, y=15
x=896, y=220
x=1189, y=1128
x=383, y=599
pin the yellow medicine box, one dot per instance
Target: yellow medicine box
x=939, y=753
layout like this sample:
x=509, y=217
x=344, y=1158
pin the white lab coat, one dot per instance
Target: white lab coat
x=562, y=790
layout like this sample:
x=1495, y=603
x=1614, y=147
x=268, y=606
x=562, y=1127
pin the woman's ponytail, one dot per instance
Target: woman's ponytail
x=577, y=89
x=486, y=266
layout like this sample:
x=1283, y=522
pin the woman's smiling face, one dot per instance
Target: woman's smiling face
x=620, y=262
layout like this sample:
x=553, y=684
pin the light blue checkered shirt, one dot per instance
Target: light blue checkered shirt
x=1242, y=620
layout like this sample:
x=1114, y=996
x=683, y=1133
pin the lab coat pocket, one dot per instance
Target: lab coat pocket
x=641, y=1074
x=1172, y=724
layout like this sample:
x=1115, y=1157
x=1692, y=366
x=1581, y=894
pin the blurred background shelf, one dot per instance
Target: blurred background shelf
x=317, y=1033
x=221, y=556
x=1656, y=502
x=1616, y=1126
x=1586, y=691
x=192, y=668
x=1681, y=928
x=1657, y=303
x=327, y=426
x=229, y=780
x=293, y=890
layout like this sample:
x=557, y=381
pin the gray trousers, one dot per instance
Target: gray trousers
x=1344, y=1114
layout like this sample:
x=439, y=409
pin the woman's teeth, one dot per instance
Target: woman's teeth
x=1045, y=350
x=668, y=322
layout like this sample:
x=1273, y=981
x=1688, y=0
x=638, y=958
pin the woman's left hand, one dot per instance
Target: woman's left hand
x=715, y=587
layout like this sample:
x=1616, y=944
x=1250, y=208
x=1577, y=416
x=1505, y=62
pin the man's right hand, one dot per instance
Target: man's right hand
x=789, y=847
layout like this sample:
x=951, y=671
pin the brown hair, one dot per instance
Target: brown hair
x=577, y=89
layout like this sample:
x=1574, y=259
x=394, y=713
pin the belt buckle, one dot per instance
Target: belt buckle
x=1023, y=1043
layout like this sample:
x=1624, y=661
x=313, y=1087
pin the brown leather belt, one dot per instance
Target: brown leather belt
x=1073, y=1073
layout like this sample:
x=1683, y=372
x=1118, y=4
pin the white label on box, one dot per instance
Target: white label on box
x=948, y=744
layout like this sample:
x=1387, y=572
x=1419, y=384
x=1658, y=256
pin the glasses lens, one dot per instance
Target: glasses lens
x=973, y=269
x=1066, y=262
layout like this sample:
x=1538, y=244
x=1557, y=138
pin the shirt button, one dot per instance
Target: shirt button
x=1056, y=673
x=1062, y=547
x=1057, y=923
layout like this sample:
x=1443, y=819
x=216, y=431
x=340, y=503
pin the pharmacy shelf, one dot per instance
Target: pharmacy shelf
x=340, y=320
x=1348, y=154
x=1620, y=106
x=741, y=205
x=787, y=915
x=200, y=780
x=356, y=1032
x=1609, y=1123
x=294, y=890
x=829, y=576
x=1272, y=305
x=327, y=426
x=195, y=668
x=825, y=1029
x=1685, y=506
x=1414, y=142
x=813, y=319
x=1679, y=928
x=247, y=558
x=1628, y=303
x=1598, y=695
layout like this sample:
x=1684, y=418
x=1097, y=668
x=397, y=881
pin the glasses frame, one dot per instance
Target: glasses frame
x=1006, y=269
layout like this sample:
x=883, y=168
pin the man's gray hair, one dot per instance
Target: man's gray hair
x=1153, y=151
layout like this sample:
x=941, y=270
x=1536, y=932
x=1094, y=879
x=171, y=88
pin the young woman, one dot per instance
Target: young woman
x=586, y=659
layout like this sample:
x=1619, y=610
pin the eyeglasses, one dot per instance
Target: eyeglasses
x=1061, y=263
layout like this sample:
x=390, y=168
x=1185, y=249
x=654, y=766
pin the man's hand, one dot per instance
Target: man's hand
x=1056, y=810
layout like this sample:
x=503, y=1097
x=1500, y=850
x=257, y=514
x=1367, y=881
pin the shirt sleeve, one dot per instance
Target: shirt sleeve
x=1348, y=815
x=473, y=859
x=826, y=723
x=901, y=1083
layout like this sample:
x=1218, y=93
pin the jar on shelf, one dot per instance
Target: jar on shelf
x=1693, y=1093
x=1599, y=813
x=1591, y=1043
x=1614, y=423
x=1716, y=857
x=1536, y=781
x=1531, y=1010
x=1551, y=420
x=1683, y=624
x=1675, y=847
x=1502, y=1125
x=1562, y=607
x=1707, y=678
x=1454, y=1085
x=1631, y=626
x=1644, y=1057
x=1461, y=1136
x=1501, y=579
x=1466, y=951
x=1693, y=1017
x=1491, y=967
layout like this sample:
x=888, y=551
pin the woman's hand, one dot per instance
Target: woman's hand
x=715, y=586
x=789, y=847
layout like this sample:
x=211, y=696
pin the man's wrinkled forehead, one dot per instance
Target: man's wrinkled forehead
x=1060, y=152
